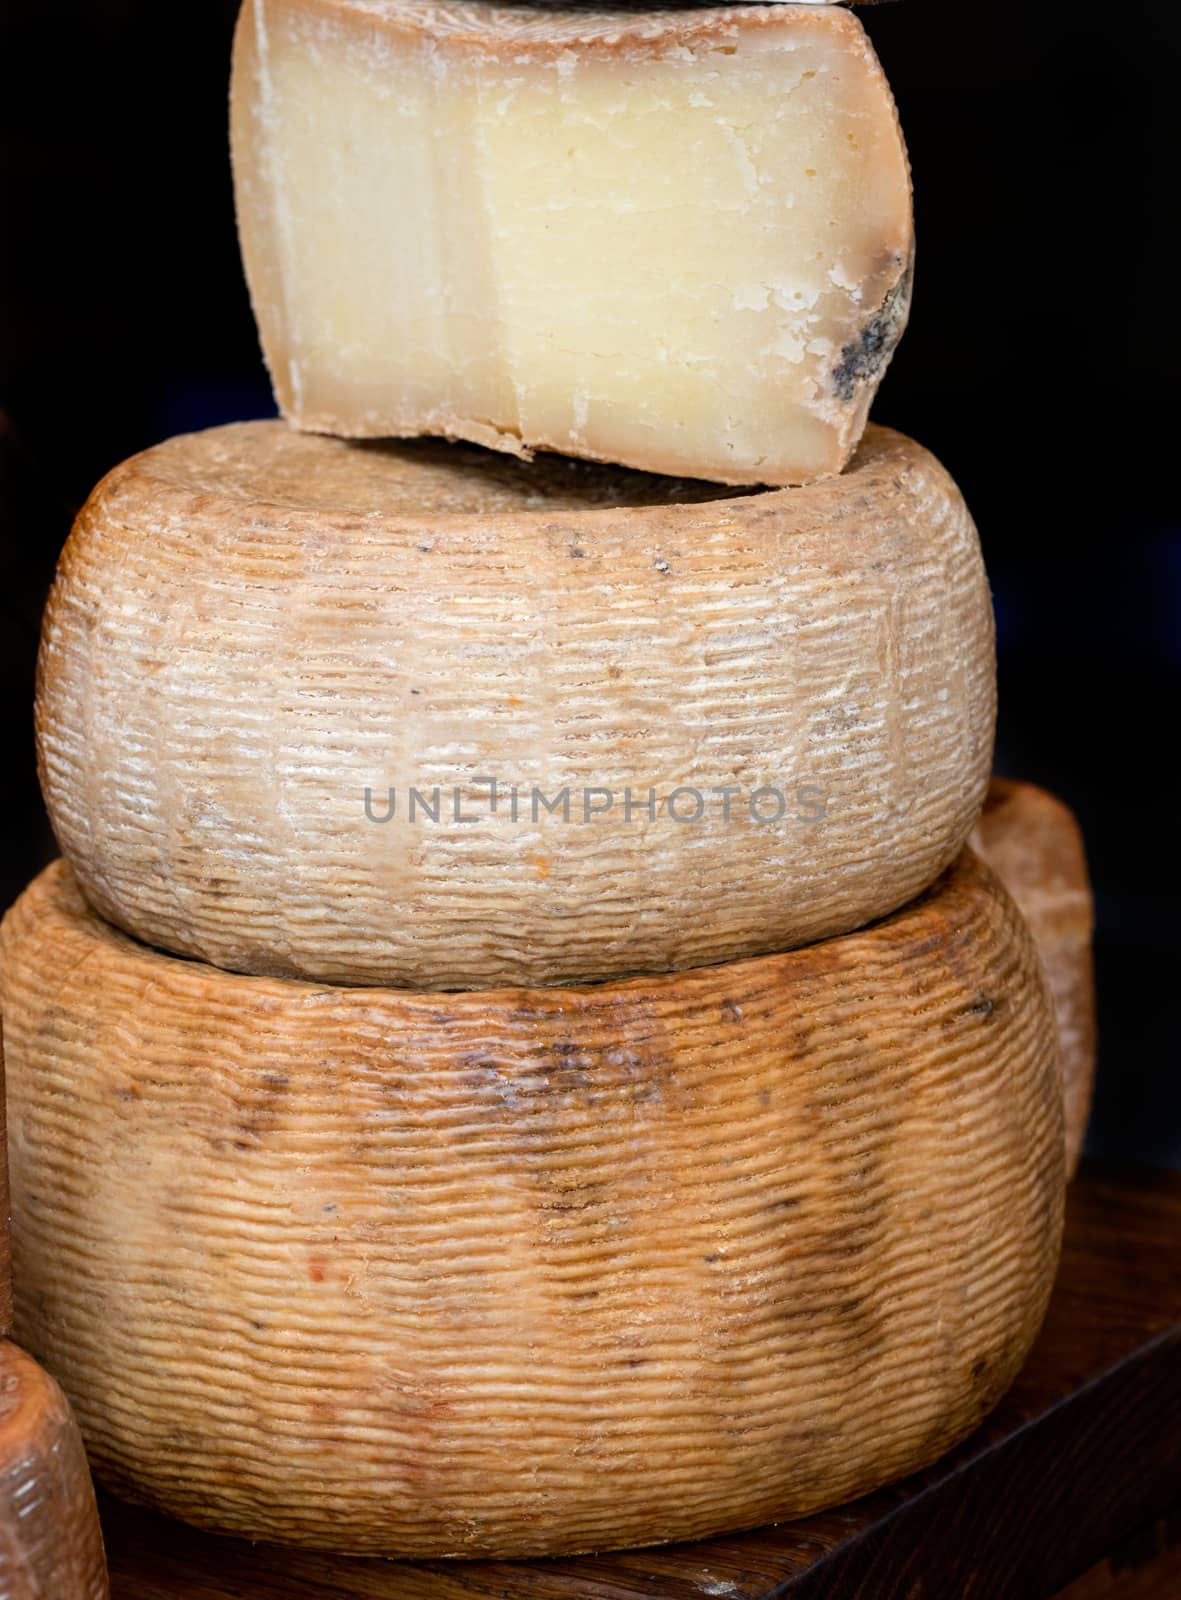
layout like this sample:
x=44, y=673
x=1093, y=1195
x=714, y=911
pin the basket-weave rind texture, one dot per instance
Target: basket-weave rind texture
x=50, y=1544
x=5, y=1241
x=1033, y=842
x=251, y=627
x=532, y=1271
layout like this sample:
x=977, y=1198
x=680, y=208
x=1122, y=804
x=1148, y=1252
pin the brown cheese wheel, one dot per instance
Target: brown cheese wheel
x=50, y=1544
x=1034, y=843
x=5, y=1242
x=253, y=629
x=532, y=1271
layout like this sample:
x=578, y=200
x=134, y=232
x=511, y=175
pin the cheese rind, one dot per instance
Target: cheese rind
x=1033, y=842
x=51, y=1546
x=252, y=628
x=5, y=1241
x=680, y=240
x=532, y=1271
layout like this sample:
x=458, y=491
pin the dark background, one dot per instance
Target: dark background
x=1040, y=365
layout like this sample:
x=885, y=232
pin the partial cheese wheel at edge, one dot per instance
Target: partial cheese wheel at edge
x=1032, y=841
x=50, y=1544
x=5, y=1240
x=532, y=1271
x=280, y=675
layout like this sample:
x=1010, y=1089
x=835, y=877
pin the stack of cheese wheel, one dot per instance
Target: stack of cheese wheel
x=50, y=1544
x=518, y=1057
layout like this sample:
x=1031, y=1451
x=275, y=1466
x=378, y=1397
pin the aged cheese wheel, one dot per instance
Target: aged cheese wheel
x=5, y=1243
x=678, y=238
x=532, y=1270
x=1034, y=843
x=717, y=726
x=50, y=1544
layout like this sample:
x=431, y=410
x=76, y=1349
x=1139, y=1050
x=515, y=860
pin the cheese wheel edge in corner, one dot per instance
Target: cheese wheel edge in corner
x=281, y=675
x=680, y=241
x=51, y=1546
x=532, y=1271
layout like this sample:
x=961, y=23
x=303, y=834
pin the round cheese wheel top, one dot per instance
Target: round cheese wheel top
x=536, y=1270
x=420, y=716
x=260, y=464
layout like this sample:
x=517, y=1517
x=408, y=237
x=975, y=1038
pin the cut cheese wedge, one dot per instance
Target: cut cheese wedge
x=1033, y=841
x=679, y=239
x=716, y=726
x=531, y=1271
x=51, y=1547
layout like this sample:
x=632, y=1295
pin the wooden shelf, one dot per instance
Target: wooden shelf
x=1081, y=1460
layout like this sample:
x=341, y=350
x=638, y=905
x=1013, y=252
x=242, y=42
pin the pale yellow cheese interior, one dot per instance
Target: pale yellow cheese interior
x=685, y=256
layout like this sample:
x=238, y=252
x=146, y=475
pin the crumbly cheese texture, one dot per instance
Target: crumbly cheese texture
x=678, y=240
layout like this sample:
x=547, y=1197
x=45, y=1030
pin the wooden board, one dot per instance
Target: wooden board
x=1145, y=1567
x=1083, y=1452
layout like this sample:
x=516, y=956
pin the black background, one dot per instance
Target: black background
x=1040, y=365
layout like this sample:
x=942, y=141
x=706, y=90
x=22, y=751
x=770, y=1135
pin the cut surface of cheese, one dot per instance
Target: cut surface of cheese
x=51, y=1547
x=717, y=727
x=532, y=1271
x=1033, y=842
x=679, y=240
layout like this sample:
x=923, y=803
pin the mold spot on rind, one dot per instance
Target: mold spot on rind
x=866, y=357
